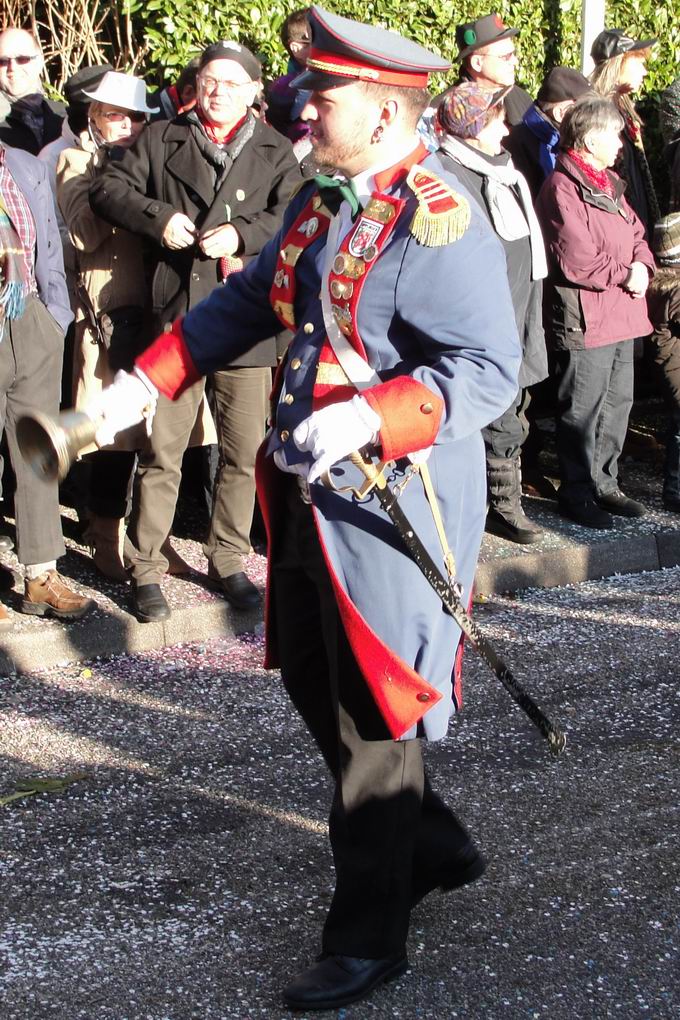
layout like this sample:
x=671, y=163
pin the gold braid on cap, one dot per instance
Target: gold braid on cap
x=346, y=70
x=442, y=215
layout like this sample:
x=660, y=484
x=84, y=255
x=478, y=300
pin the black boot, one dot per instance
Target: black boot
x=505, y=516
x=671, y=471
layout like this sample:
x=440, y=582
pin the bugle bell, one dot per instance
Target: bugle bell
x=50, y=445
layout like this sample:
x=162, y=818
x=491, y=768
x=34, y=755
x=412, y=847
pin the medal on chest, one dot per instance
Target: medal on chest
x=356, y=256
x=311, y=224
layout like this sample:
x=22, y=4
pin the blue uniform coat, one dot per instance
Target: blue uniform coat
x=443, y=317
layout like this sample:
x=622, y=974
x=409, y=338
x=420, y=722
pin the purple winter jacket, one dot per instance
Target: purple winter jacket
x=591, y=241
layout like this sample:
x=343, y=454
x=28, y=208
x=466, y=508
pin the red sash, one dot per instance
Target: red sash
x=312, y=222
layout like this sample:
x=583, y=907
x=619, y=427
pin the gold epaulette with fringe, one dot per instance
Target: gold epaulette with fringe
x=442, y=215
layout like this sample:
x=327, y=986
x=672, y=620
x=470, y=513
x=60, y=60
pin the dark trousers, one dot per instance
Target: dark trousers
x=241, y=395
x=594, y=398
x=388, y=830
x=110, y=481
x=31, y=353
x=504, y=436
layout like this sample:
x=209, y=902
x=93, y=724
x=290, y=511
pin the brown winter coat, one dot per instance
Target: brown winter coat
x=111, y=274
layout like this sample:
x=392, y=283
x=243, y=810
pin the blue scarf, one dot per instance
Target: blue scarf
x=548, y=136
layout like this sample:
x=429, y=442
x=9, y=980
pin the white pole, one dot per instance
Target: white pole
x=592, y=23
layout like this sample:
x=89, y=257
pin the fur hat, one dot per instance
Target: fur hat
x=666, y=240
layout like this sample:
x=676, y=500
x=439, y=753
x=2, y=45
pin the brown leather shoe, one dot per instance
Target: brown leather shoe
x=48, y=595
x=6, y=622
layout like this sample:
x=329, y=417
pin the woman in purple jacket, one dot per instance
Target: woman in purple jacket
x=599, y=269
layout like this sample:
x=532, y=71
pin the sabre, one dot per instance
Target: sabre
x=451, y=602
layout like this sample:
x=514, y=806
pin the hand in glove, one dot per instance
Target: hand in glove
x=336, y=431
x=130, y=399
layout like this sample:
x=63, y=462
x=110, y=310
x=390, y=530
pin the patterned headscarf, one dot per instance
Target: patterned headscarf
x=467, y=108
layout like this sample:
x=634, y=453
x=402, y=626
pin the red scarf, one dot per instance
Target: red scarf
x=177, y=102
x=599, y=178
x=217, y=134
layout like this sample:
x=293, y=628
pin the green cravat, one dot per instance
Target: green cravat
x=335, y=190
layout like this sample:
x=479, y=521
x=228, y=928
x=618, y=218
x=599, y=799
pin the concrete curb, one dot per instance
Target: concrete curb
x=110, y=632
x=105, y=633
x=576, y=563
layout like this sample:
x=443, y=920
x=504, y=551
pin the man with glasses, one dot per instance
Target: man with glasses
x=487, y=54
x=32, y=120
x=208, y=190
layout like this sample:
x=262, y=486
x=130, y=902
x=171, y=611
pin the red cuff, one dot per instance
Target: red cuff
x=168, y=363
x=410, y=414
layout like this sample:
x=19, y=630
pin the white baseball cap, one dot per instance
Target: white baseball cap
x=122, y=90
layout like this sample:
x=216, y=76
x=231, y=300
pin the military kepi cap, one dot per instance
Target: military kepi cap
x=344, y=51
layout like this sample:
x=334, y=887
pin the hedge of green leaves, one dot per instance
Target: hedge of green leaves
x=550, y=31
x=550, y=34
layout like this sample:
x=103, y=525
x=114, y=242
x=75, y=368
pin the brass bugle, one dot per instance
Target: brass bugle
x=50, y=445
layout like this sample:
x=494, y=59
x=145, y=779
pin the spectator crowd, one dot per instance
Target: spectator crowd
x=506, y=251
x=121, y=210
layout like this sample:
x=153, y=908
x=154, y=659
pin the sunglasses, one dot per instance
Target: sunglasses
x=6, y=61
x=118, y=115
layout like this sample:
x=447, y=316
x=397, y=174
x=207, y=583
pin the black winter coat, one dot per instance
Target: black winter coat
x=166, y=172
x=17, y=132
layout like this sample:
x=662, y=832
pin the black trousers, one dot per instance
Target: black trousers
x=389, y=831
x=594, y=398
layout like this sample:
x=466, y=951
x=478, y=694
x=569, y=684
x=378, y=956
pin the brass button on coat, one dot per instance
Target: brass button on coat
x=295, y=364
x=308, y=327
x=289, y=398
x=424, y=696
x=285, y=435
x=427, y=408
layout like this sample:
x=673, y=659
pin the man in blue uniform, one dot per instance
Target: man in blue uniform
x=404, y=341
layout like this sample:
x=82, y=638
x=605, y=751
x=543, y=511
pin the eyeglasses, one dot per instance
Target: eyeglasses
x=116, y=116
x=212, y=84
x=512, y=55
x=6, y=61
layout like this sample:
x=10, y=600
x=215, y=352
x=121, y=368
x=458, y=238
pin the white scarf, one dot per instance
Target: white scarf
x=512, y=217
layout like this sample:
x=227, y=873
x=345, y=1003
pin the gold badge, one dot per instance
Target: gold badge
x=342, y=290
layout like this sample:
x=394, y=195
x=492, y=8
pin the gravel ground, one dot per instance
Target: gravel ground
x=184, y=871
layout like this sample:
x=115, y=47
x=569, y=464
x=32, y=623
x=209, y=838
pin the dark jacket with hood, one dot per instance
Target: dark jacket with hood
x=591, y=241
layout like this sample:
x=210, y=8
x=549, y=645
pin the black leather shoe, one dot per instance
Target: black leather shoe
x=588, y=514
x=239, y=592
x=622, y=506
x=515, y=527
x=672, y=503
x=149, y=603
x=6, y=544
x=465, y=867
x=338, y=980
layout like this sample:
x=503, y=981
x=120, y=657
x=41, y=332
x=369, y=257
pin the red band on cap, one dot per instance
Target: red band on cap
x=346, y=67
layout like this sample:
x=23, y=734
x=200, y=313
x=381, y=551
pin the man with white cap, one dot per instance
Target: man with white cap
x=384, y=276
x=207, y=189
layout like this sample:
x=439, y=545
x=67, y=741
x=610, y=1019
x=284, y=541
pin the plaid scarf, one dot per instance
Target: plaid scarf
x=15, y=284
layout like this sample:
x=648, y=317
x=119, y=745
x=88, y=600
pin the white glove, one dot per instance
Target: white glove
x=336, y=431
x=130, y=399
